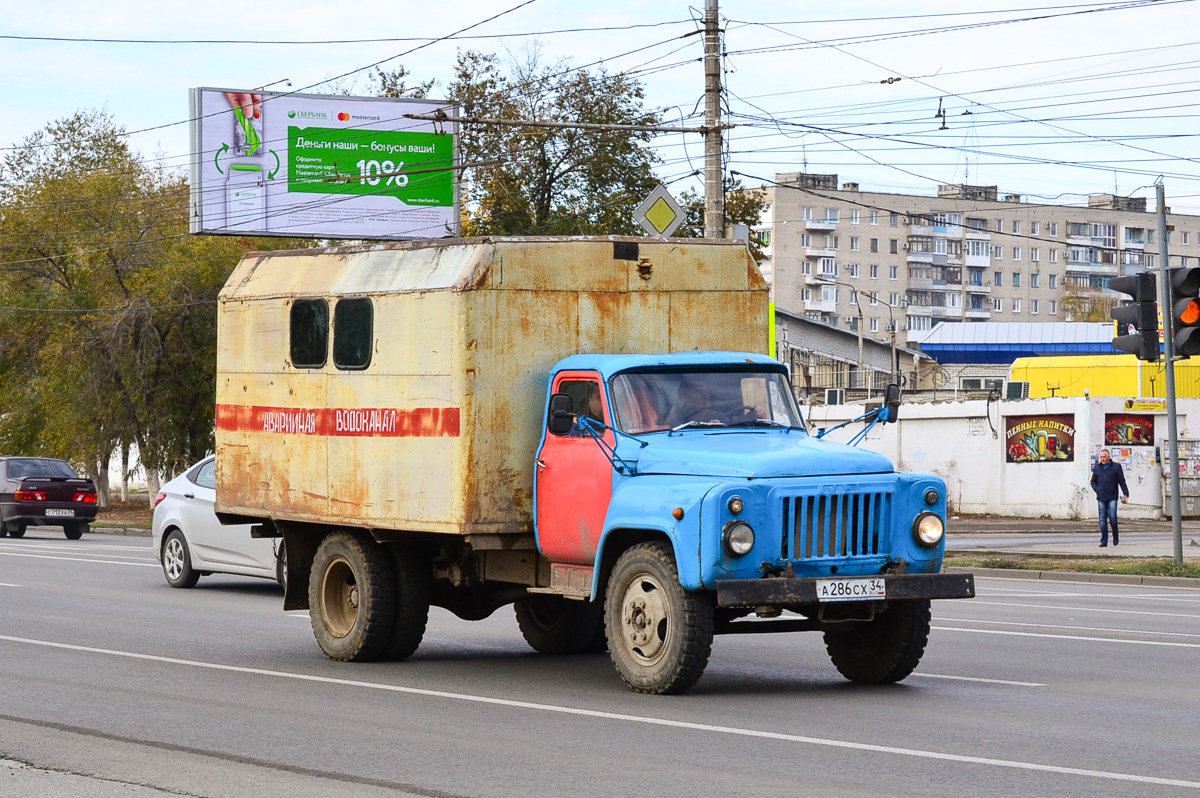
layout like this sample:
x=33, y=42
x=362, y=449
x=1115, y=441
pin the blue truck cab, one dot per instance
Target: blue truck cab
x=682, y=495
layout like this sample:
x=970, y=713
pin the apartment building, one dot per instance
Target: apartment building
x=909, y=262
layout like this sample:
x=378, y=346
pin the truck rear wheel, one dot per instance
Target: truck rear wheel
x=557, y=625
x=659, y=635
x=352, y=597
x=412, y=604
x=884, y=650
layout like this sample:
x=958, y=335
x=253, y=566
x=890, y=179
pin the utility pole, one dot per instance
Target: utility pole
x=1164, y=293
x=714, y=190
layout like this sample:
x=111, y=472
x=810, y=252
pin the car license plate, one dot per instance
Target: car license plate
x=60, y=513
x=851, y=589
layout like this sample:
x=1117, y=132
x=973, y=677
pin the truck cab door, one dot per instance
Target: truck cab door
x=573, y=480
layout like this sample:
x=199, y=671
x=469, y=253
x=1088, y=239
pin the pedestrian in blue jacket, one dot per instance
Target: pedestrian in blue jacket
x=1107, y=476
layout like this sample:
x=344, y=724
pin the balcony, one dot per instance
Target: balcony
x=920, y=283
x=978, y=288
x=979, y=313
x=821, y=306
x=820, y=225
x=814, y=252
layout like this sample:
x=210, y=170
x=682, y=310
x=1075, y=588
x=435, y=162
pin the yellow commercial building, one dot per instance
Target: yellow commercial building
x=1104, y=375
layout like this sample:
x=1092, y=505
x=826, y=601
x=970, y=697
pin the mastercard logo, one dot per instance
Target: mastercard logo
x=343, y=117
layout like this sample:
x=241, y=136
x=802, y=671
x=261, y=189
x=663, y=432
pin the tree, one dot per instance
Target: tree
x=550, y=181
x=109, y=319
x=742, y=206
x=1079, y=305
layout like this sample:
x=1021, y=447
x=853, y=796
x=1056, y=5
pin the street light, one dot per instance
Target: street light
x=891, y=326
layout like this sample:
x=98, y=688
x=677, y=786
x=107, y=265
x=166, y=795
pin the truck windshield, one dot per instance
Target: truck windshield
x=653, y=401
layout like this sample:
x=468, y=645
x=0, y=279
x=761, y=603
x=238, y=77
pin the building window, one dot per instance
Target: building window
x=1016, y=227
x=874, y=217
x=805, y=240
x=853, y=217
x=1052, y=228
x=977, y=224
x=831, y=215
x=806, y=295
x=1033, y=280
x=979, y=249
x=999, y=225
x=853, y=297
x=831, y=242
x=1054, y=256
x=1035, y=254
x=1053, y=282
x=997, y=253
x=806, y=268
x=852, y=269
x=1033, y=228
x=1033, y=306
x=894, y=272
x=854, y=243
x=1016, y=280
x=999, y=278
x=1183, y=237
x=893, y=246
x=1016, y=253
x=893, y=299
x=998, y=305
x=1053, y=308
x=1016, y=306
x=806, y=214
x=874, y=272
x=874, y=244
x=828, y=267
x=893, y=218
x=1149, y=236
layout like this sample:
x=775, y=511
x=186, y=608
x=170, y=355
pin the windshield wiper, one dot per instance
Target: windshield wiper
x=760, y=422
x=687, y=424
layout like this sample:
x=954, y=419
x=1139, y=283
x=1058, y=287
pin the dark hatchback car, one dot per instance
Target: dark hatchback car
x=39, y=491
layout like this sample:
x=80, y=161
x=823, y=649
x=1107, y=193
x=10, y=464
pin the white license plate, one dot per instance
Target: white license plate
x=851, y=589
x=60, y=513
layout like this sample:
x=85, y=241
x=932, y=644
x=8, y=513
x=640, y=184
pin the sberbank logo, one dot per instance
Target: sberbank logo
x=291, y=114
x=307, y=114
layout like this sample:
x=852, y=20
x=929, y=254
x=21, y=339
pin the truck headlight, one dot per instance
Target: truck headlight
x=737, y=538
x=928, y=529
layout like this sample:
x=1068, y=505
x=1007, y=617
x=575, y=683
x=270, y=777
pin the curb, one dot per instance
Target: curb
x=129, y=531
x=1186, y=582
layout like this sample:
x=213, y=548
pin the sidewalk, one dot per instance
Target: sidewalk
x=1032, y=536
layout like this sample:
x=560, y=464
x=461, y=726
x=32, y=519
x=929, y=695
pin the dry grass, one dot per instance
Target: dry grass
x=135, y=512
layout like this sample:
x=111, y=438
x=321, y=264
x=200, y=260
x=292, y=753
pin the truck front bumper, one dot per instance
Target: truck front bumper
x=785, y=591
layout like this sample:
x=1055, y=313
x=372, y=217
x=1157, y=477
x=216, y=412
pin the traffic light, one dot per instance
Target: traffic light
x=1185, y=311
x=1140, y=318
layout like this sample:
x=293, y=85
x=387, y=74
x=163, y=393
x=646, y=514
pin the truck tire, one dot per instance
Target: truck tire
x=412, y=603
x=557, y=625
x=659, y=635
x=884, y=650
x=352, y=597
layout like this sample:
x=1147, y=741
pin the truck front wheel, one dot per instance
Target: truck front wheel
x=557, y=625
x=352, y=597
x=884, y=650
x=659, y=635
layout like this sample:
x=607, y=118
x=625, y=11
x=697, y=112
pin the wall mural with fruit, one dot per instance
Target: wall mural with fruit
x=1039, y=439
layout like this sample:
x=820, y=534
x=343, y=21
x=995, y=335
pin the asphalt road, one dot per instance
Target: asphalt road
x=115, y=684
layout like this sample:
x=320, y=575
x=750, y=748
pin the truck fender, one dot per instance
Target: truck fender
x=301, y=547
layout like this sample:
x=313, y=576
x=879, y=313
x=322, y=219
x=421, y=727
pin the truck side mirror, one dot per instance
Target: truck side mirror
x=560, y=414
x=891, y=401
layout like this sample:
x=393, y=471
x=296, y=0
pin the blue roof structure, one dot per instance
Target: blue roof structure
x=1004, y=342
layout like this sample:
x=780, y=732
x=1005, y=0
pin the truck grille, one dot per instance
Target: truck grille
x=835, y=525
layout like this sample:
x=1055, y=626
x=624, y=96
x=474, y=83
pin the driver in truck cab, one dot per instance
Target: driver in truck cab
x=692, y=403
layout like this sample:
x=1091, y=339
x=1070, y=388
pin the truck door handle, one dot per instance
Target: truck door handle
x=540, y=462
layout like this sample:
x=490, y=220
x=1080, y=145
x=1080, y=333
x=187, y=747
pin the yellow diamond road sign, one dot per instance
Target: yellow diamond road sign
x=659, y=214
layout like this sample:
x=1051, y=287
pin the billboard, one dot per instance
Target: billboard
x=1039, y=439
x=320, y=166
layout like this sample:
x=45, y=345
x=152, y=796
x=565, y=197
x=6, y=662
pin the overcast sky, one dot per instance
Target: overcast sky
x=1053, y=101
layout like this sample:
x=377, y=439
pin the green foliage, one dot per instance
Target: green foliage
x=107, y=304
x=742, y=206
x=548, y=181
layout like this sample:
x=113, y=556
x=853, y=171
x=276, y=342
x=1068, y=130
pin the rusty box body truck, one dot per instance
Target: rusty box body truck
x=578, y=427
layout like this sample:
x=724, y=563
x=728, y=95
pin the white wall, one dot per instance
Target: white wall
x=964, y=443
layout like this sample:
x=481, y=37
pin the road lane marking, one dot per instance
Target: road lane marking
x=1165, y=643
x=978, y=679
x=1076, y=628
x=619, y=716
x=8, y=584
x=1191, y=615
x=77, y=559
